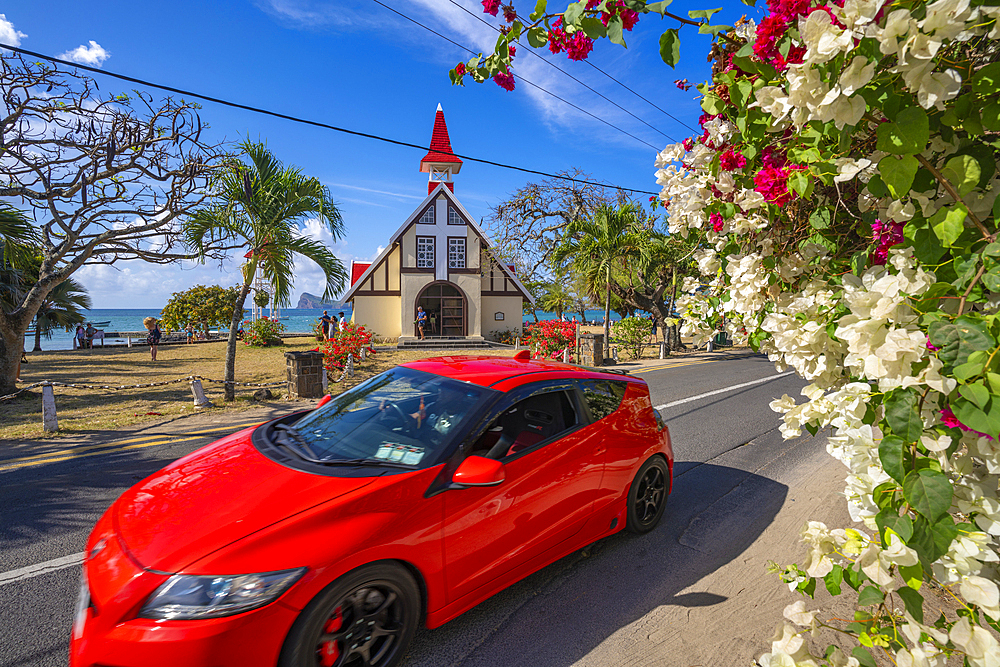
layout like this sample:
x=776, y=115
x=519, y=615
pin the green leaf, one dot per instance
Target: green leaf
x=593, y=27
x=957, y=341
x=890, y=453
x=670, y=47
x=833, y=580
x=994, y=380
x=903, y=416
x=869, y=596
x=799, y=182
x=749, y=3
x=863, y=657
x=985, y=420
x=914, y=602
x=854, y=578
x=898, y=173
x=539, y=10
x=538, y=38
x=901, y=525
x=706, y=29
x=876, y=186
x=931, y=540
x=913, y=575
x=740, y=92
x=969, y=369
x=820, y=218
x=977, y=393
x=963, y=172
x=704, y=13
x=573, y=13
x=948, y=223
x=615, y=31
x=659, y=7
x=991, y=117
x=992, y=279
x=929, y=492
x=926, y=245
x=987, y=80
x=713, y=104
x=907, y=135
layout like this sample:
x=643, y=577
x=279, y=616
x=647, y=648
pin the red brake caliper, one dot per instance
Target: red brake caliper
x=328, y=650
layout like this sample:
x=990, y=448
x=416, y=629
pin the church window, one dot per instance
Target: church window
x=453, y=217
x=425, y=252
x=428, y=217
x=456, y=253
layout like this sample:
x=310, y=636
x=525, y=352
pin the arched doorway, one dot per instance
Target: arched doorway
x=444, y=304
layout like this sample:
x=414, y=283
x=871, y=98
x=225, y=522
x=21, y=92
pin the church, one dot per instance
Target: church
x=439, y=259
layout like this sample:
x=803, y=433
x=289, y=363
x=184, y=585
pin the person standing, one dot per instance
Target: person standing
x=343, y=321
x=80, y=336
x=190, y=333
x=153, y=339
x=421, y=321
x=652, y=321
x=326, y=323
x=89, y=334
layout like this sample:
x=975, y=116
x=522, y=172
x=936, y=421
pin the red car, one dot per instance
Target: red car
x=325, y=537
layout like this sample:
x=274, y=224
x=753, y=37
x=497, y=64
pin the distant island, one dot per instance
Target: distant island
x=312, y=301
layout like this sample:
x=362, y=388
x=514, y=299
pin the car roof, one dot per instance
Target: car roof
x=487, y=371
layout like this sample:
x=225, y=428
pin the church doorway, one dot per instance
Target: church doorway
x=445, y=307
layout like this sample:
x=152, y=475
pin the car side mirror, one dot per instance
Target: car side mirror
x=478, y=471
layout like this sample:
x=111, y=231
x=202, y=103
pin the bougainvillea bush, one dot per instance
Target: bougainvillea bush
x=350, y=339
x=632, y=334
x=549, y=338
x=262, y=332
x=843, y=192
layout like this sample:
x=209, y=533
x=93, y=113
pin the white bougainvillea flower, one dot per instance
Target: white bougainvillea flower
x=838, y=658
x=920, y=656
x=901, y=212
x=981, y=592
x=899, y=553
x=898, y=25
x=823, y=40
x=981, y=648
x=797, y=614
x=857, y=75
x=848, y=168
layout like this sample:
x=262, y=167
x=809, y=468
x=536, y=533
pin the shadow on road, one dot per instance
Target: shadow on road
x=560, y=614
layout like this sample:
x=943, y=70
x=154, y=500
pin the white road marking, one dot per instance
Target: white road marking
x=721, y=391
x=39, y=569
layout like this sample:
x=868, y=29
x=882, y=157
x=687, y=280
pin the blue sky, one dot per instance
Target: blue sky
x=354, y=64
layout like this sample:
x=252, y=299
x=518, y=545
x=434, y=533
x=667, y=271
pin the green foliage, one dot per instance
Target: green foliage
x=632, y=333
x=262, y=332
x=201, y=306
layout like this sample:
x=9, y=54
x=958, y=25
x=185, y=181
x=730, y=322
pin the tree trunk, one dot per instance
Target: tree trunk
x=234, y=326
x=10, y=359
x=607, y=319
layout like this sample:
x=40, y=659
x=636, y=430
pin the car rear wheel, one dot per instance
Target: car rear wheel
x=364, y=619
x=647, y=497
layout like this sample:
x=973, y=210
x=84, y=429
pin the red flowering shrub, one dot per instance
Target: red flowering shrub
x=505, y=81
x=349, y=340
x=262, y=332
x=551, y=337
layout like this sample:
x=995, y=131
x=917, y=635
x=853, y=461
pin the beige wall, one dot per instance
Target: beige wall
x=378, y=313
x=393, y=261
x=408, y=243
x=510, y=306
x=472, y=244
x=469, y=283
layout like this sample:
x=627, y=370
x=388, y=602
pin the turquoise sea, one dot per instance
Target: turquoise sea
x=296, y=320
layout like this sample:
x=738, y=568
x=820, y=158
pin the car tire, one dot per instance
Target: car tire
x=647, y=496
x=367, y=617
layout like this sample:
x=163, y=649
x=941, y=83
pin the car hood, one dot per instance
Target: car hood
x=213, y=497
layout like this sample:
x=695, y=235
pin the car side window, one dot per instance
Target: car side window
x=603, y=396
x=528, y=422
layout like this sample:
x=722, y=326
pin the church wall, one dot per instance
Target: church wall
x=408, y=246
x=469, y=283
x=410, y=286
x=378, y=313
x=472, y=248
x=510, y=306
x=393, y=261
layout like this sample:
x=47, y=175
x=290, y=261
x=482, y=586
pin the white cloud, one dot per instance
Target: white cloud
x=8, y=34
x=93, y=55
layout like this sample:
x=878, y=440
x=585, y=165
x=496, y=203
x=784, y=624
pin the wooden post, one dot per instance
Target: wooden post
x=200, y=400
x=663, y=349
x=50, y=422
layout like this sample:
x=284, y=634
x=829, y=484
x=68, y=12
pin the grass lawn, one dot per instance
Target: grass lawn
x=90, y=410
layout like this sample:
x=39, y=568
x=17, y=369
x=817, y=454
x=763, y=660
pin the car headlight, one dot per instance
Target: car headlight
x=186, y=596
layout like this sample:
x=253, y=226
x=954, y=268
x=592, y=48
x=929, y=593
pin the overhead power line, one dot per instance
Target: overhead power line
x=553, y=65
x=533, y=85
x=641, y=97
x=305, y=121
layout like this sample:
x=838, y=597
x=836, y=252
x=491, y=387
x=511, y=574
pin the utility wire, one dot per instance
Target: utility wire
x=304, y=121
x=641, y=97
x=548, y=92
x=553, y=65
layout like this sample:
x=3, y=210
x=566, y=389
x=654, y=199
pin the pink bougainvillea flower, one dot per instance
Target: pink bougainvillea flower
x=731, y=160
x=513, y=50
x=491, y=7
x=683, y=84
x=885, y=235
x=931, y=346
x=505, y=81
x=460, y=69
x=579, y=46
x=688, y=144
x=716, y=221
x=509, y=15
x=949, y=419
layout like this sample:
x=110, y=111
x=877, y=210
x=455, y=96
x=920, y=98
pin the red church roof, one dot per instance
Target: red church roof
x=440, y=144
x=357, y=269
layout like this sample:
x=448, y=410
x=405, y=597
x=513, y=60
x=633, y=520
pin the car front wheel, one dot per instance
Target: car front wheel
x=364, y=619
x=647, y=497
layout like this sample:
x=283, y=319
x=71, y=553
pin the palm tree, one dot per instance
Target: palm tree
x=557, y=299
x=599, y=244
x=61, y=308
x=261, y=203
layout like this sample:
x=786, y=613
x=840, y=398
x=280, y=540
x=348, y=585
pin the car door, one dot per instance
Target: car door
x=552, y=468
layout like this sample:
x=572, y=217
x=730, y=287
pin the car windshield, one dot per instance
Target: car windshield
x=401, y=416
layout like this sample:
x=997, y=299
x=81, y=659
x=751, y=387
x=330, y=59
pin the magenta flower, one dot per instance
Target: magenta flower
x=683, y=84
x=885, y=235
x=772, y=183
x=491, y=7
x=509, y=15
x=505, y=81
x=731, y=160
x=716, y=221
x=460, y=69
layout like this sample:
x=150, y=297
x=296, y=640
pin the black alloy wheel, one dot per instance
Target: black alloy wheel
x=364, y=619
x=647, y=497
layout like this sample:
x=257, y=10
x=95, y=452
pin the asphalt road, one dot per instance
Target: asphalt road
x=731, y=476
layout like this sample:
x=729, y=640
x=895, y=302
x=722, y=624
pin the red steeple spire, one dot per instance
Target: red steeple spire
x=440, y=154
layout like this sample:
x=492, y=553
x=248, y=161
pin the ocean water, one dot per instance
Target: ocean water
x=296, y=320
